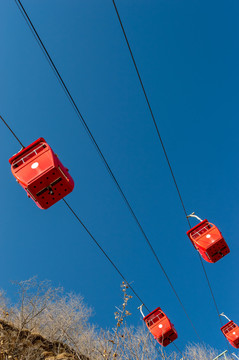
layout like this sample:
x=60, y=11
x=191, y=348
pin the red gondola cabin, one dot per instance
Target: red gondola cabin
x=161, y=327
x=39, y=171
x=208, y=240
x=231, y=332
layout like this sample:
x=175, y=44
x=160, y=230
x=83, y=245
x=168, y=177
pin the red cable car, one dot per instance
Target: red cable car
x=39, y=171
x=208, y=240
x=231, y=332
x=160, y=326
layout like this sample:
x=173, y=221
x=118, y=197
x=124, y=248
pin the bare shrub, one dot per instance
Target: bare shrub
x=48, y=312
x=48, y=324
x=127, y=342
x=200, y=352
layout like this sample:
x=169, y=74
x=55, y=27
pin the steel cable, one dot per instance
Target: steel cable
x=94, y=239
x=61, y=81
x=13, y=133
x=163, y=147
x=103, y=251
x=89, y=233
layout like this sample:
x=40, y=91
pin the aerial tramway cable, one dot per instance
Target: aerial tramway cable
x=163, y=147
x=99, y=246
x=87, y=230
x=102, y=250
x=13, y=133
x=70, y=98
x=97, y=243
x=150, y=108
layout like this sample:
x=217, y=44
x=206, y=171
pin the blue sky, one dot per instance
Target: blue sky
x=187, y=54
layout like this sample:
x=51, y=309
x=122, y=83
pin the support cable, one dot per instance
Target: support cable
x=70, y=98
x=112, y=263
x=163, y=147
x=102, y=250
x=95, y=241
x=161, y=353
x=210, y=288
x=149, y=106
x=176, y=347
x=89, y=233
x=156, y=349
x=12, y=131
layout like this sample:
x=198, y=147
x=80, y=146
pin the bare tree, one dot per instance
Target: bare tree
x=48, y=324
x=44, y=313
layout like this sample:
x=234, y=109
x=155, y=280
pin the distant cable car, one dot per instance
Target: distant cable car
x=39, y=171
x=231, y=332
x=160, y=326
x=208, y=240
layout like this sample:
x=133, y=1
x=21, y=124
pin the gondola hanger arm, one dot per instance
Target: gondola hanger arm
x=140, y=308
x=222, y=314
x=193, y=215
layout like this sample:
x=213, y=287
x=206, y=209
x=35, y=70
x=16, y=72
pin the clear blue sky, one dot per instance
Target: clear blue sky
x=187, y=53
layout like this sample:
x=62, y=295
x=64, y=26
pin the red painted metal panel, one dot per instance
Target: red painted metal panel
x=231, y=332
x=39, y=171
x=208, y=240
x=160, y=327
